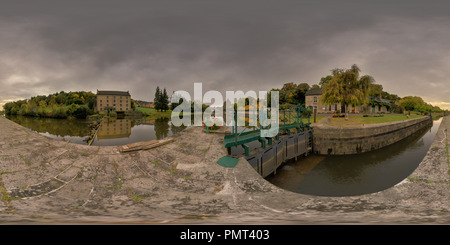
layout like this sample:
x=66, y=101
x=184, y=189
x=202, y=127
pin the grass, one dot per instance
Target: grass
x=360, y=120
x=118, y=186
x=151, y=113
x=25, y=160
x=137, y=198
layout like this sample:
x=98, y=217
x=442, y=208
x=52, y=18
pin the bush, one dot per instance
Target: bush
x=59, y=112
x=81, y=112
x=113, y=114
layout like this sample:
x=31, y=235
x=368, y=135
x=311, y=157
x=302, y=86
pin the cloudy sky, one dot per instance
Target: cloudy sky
x=136, y=45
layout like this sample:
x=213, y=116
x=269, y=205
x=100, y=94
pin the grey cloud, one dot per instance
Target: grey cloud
x=227, y=45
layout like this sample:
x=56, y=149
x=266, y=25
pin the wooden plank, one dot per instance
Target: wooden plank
x=145, y=145
x=138, y=144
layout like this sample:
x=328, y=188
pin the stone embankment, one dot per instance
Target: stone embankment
x=358, y=139
x=43, y=180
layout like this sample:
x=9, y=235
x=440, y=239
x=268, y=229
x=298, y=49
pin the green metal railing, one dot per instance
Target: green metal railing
x=291, y=119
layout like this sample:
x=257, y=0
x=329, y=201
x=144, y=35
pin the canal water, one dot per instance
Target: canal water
x=358, y=174
x=112, y=132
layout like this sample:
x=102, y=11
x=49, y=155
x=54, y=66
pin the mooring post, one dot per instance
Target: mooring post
x=315, y=112
x=246, y=148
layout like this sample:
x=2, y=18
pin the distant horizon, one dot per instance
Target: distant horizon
x=151, y=101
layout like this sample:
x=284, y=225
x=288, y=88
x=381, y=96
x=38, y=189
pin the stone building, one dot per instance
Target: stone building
x=113, y=100
x=313, y=101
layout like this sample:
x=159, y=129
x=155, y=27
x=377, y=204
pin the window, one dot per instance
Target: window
x=315, y=99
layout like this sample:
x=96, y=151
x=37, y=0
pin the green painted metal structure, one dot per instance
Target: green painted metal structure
x=291, y=120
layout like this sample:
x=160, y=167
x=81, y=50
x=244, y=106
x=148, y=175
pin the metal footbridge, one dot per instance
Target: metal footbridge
x=289, y=119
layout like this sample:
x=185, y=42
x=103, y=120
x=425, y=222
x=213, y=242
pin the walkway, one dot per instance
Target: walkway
x=48, y=181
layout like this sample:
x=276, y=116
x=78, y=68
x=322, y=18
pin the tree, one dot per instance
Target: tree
x=375, y=90
x=300, y=92
x=413, y=103
x=157, y=100
x=325, y=80
x=161, y=101
x=347, y=87
x=165, y=100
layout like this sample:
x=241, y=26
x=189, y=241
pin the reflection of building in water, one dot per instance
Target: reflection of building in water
x=115, y=129
x=146, y=122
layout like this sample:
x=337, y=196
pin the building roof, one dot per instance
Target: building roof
x=314, y=91
x=381, y=100
x=109, y=92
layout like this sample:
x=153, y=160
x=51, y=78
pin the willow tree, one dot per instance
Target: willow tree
x=347, y=87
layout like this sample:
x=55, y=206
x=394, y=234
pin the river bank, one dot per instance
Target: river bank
x=43, y=180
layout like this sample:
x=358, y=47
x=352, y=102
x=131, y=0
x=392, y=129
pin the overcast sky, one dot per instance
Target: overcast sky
x=49, y=46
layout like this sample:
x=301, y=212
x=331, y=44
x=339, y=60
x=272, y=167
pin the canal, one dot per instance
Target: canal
x=111, y=132
x=358, y=174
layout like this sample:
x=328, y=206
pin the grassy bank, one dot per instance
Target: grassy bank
x=152, y=113
x=360, y=120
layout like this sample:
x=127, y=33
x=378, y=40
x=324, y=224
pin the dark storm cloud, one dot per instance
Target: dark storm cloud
x=227, y=45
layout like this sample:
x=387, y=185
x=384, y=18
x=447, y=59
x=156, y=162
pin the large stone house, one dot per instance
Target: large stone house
x=313, y=101
x=113, y=100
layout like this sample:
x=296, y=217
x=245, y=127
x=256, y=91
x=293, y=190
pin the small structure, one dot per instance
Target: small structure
x=145, y=104
x=113, y=101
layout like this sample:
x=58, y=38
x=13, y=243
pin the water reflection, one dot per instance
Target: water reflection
x=126, y=131
x=73, y=130
x=111, y=129
x=111, y=132
x=357, y=174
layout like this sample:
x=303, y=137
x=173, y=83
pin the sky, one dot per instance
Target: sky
x=136, y=45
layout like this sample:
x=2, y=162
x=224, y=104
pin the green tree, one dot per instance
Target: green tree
x=300, y=91
x=375, y=90
x=413, y=103
x=157, y=100
x=164, y=100
x=347, y=87
x=325, y=80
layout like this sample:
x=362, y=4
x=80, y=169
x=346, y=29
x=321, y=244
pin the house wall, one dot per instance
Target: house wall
x=118, y=102
x=310, y=102
x=324, y=108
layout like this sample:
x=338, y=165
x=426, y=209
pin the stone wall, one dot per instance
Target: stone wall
x=354, y=140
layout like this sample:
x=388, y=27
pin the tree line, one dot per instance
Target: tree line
x=58, y=105
x=348, y=87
